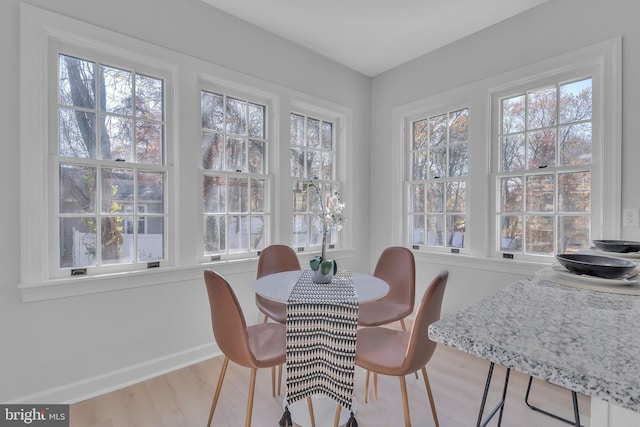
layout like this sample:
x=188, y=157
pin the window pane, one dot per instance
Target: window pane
x=419, y=163
x=513, y=115
x=314, y=164
x=420, y=134
x=212, y=107
x=416, y=198
x=459, y=160
x=151, y=191
x=256, y=121
x=327, y=136
x=416, y=229
x=327, y=166
x=573, y=234
x=540, y=193
x=299, y=197
x=438, y=130
x=238, y=190
x=76, y=133
x=541, y=106
x=214, y=235
x=256, y=156
x=238, y=233
x=513, y=153
x=149, y=137
x=455, y=231
x=297, y=130
x=435, y=197
x=117, y=189
x=113, y=249
x=212, y=151
x=435, y=230
x=149, y=98
x=511, y=194
x=117, y=134
x=77, y=82
x=456, y=197
x=574, y=190
x=576, y=144
x=77, y=189
x=313, y=133
x=541, y=149
x=150, y=243
x=78, y=242
x=215, y=194
x=539, y=234
x=437, y=162
x=575, y=101
x=235, y=154
x=458, y=126
x=296, y=161
x=258, y=195
x=257, y=232
x=236, y=116
x=117, y=91
x=511, y=233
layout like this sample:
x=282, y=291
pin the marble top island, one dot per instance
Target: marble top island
x=582, y=340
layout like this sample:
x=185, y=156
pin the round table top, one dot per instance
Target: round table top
x=278, y=286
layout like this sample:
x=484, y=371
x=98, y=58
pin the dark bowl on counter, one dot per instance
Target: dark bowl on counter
x=619, y=246
x=595, y=265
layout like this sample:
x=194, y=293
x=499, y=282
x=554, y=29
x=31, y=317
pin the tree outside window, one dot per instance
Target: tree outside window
x=544, y=179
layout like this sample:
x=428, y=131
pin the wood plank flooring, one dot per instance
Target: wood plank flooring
x=183, y=398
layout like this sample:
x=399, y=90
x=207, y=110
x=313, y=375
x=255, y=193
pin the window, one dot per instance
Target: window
x=234, y=174
x=520, y=166
x=437, y=181
x=312, y=158
x=111, y=167
x=546, y=157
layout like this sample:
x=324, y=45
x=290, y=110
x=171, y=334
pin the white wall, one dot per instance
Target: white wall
x=62, y=350
x=553, y=28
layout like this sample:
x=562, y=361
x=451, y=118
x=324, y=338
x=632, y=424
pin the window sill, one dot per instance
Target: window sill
x=85, y=285
x=498, y=265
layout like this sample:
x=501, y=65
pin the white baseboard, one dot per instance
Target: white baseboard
x=114, y=380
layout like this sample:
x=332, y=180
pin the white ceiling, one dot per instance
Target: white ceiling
x=373, y=36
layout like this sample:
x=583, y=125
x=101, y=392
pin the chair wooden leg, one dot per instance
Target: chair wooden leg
x=405, y=401
x=266, y=318
x=273, y=381
x=279, y=379
x=366, y=387
x=336, y=420
x=430, y=396
x=223, y=371
x=404, y=328
x=252, y=388
x=311, y=414
x=375, y=386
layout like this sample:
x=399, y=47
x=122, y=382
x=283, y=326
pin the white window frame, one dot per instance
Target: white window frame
x=340, y=119
x=211, y=84
x=44, y=35
x=603, y=58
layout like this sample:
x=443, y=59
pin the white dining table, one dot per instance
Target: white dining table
x=278, y=287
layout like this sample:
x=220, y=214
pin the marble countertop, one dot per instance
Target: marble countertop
x=579, y=339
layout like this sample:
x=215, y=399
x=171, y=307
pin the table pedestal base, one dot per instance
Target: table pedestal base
x=324, y=411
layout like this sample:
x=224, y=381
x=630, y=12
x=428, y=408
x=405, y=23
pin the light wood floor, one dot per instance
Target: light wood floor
x=183, y=398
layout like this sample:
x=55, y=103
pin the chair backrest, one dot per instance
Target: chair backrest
x=275, y=259
x=421, y=348
x=227, y=319
x=396, y=266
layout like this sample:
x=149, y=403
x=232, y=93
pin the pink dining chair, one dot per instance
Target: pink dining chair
x=258, y=346
x=398, y=353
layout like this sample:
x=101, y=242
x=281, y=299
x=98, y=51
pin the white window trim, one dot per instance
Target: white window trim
x=477, y=96
x=340, y=117
x=215, y=84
